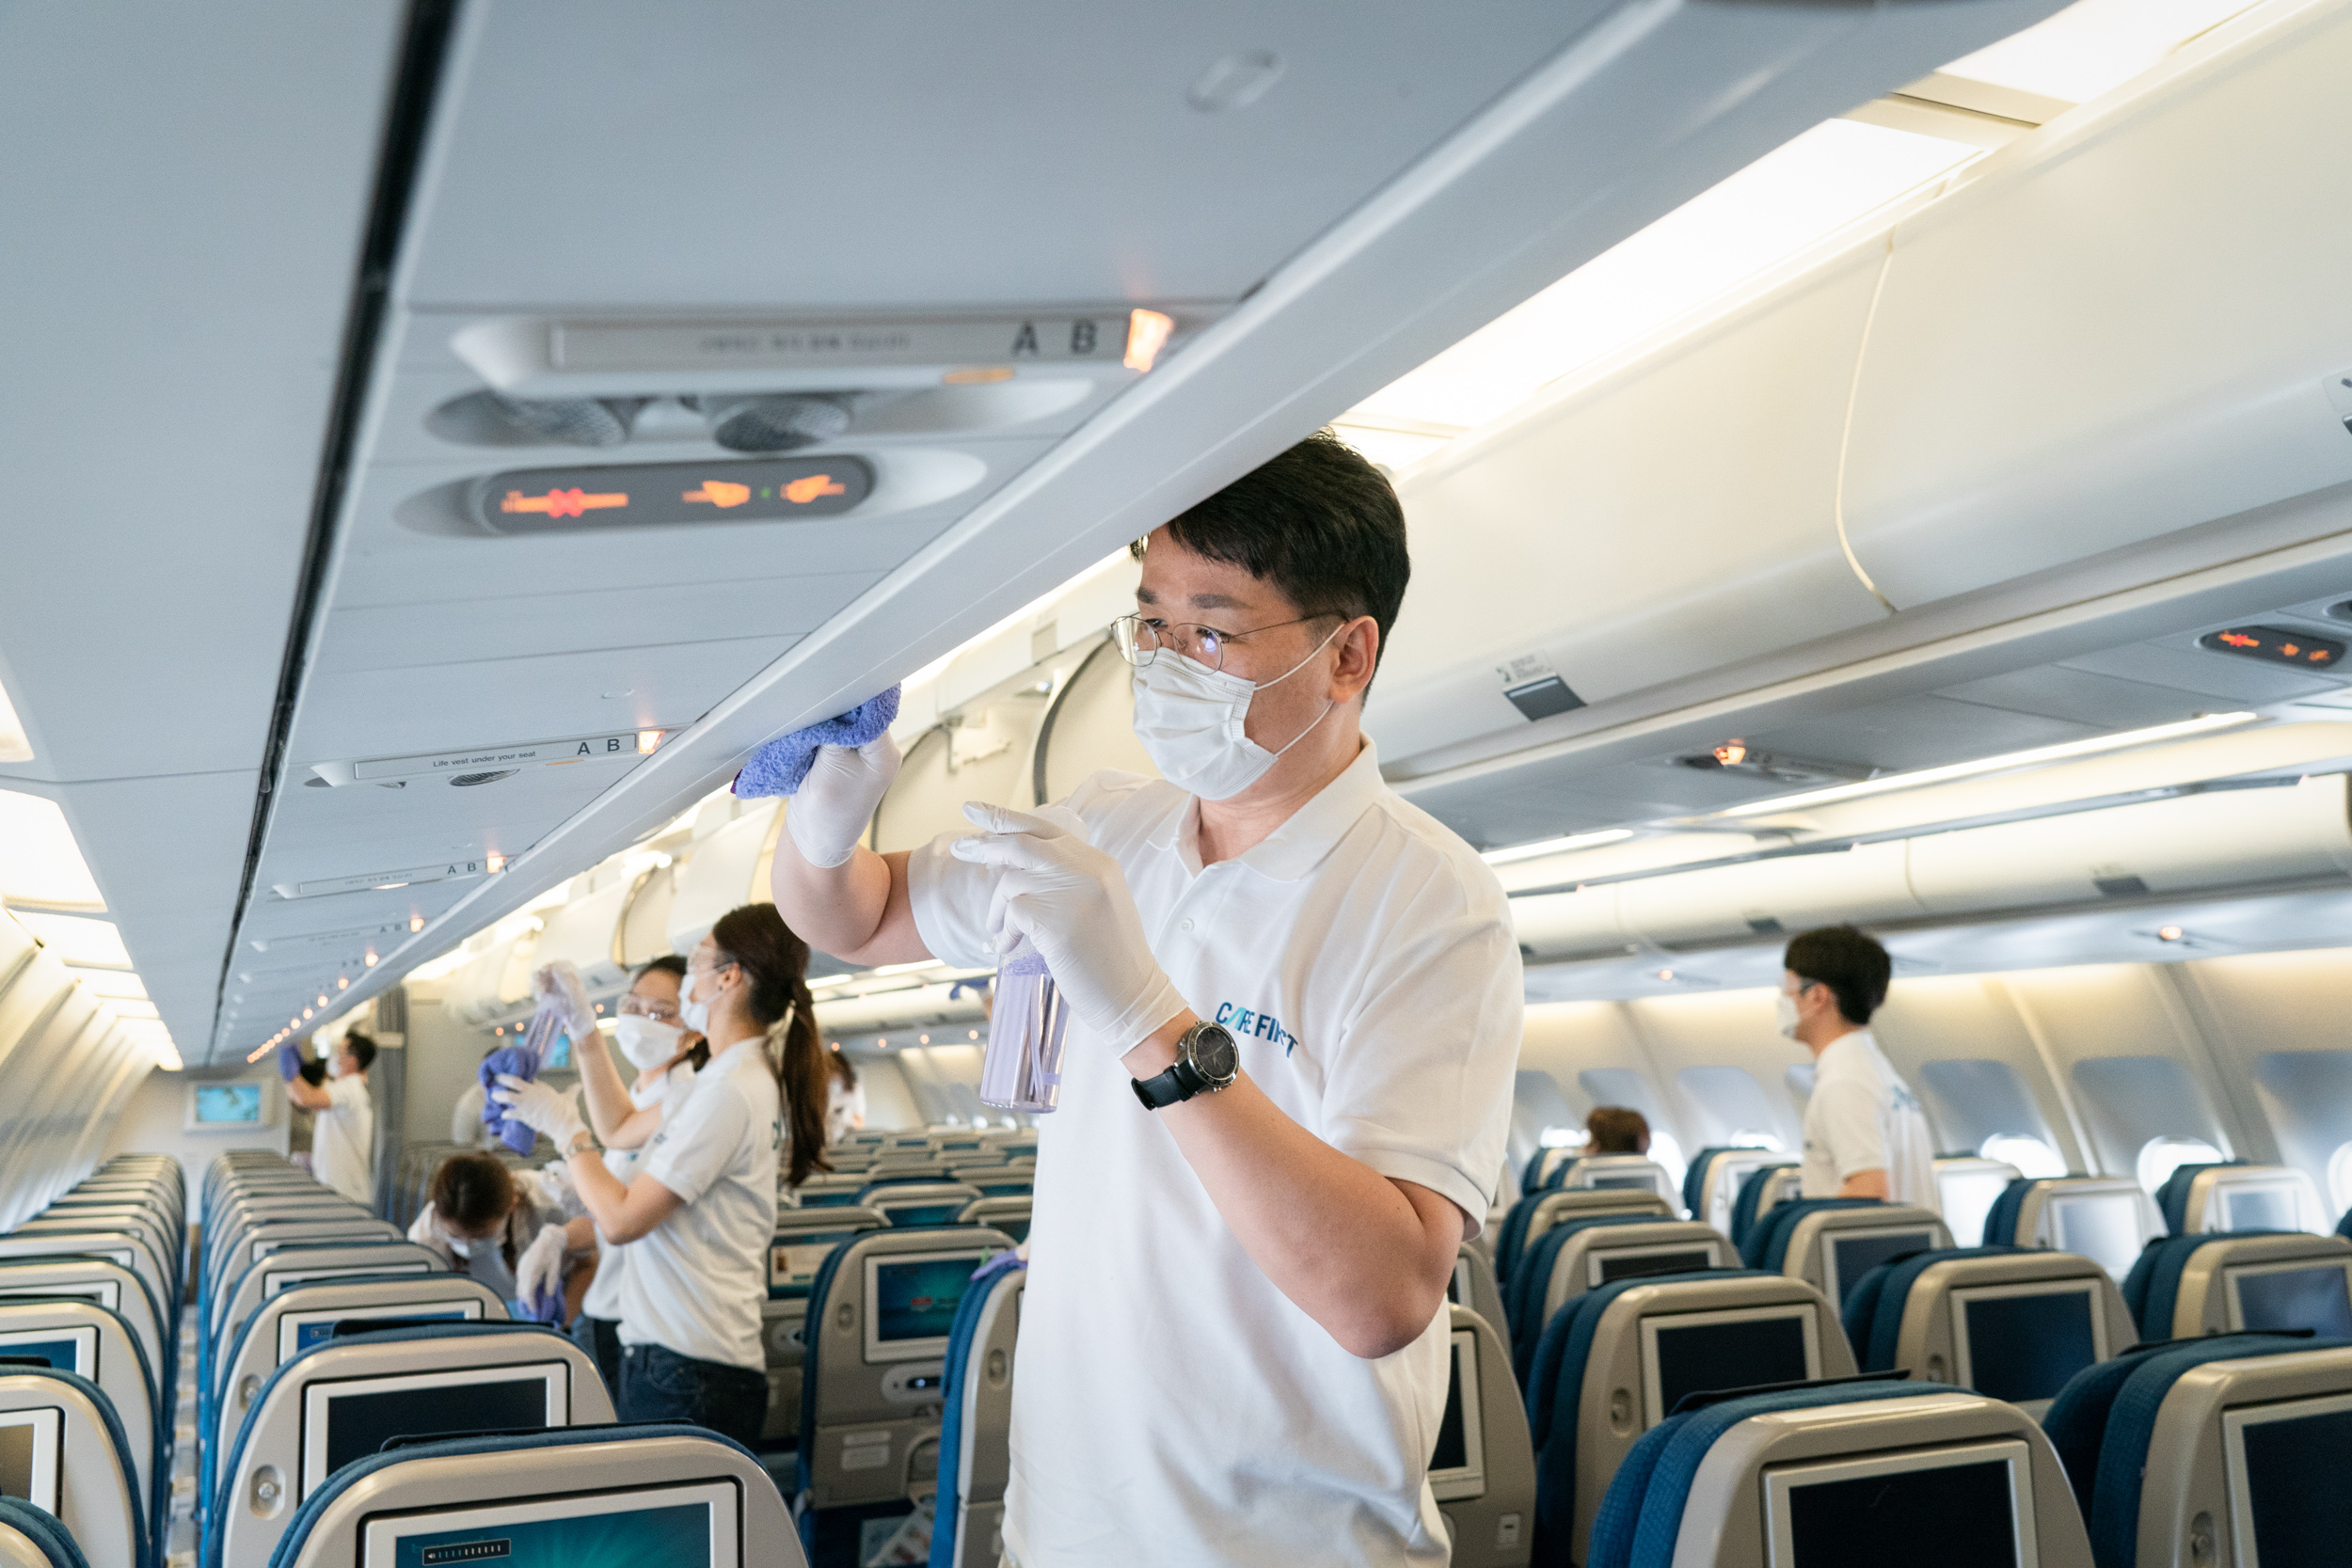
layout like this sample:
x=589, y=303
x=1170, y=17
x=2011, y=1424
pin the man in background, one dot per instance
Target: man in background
x=343, y=1136
x=1865, y=1135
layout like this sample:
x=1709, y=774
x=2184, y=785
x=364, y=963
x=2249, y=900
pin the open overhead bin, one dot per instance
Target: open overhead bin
x=721, y=875
x=586, y=928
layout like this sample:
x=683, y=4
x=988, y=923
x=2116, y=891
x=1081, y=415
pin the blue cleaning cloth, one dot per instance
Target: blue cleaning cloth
x=550, y=1311
x=781, y=766
x=522, y=1062
x=288, y=1061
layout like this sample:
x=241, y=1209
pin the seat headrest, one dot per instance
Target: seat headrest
x=44, y=1531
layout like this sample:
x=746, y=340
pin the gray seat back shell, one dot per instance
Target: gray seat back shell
x=122, y=1371
x=2202, y=1304
x=82, y=1276
x=1496, y=1529
x=260, y=1485
x=1927, y=1343
x=236, y=1299
x=99, y=1244
x=96, y=1496
x=2185, y=1475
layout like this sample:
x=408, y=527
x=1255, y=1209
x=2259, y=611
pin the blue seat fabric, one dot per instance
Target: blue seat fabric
x=1555, y=1385
x=959, y=1338
x=2000, y=1221
x=1874, y=1308
x=2153, y=1287
x=2172, y=1198
x=1767, y=1243
x=1694, y=1180
x=55, y=1542
x=2113, y=1511
x=216, y=1523
x=1642, y=1515
x=1743, y=1203
x=298, y=1527
x=1523, y=1300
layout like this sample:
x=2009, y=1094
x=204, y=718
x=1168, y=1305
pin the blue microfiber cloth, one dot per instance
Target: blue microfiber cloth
x=550, y=1311
x=779, y=767
x=522, y=1062
x=289, y=1061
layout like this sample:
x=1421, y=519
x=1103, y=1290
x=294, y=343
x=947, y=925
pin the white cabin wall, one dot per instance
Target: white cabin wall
x=443, y=1051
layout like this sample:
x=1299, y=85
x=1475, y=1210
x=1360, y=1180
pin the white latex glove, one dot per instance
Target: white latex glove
x=558, y=983
x=837, y=799
x=1070, y=901
x=540, y=1108
x=539, y=1271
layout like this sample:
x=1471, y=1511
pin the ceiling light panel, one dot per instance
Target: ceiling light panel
x=2093, y=46
x=77, y=938
x=15, y=744
x=39, y=862
x=1781, y=205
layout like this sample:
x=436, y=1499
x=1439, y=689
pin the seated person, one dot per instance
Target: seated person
x=503, y=1228
x=845, y=1098
x=1616, y=1129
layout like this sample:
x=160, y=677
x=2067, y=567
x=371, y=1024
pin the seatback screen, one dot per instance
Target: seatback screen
x=1728, y=1354
x=16, y=1462
x=1875, y=1519
x=1637, y=1183
x=32, y=1445
x=925, y=1213
x=2260, y=1207
x=68, y=1350
x=2299, y=1509
x=1458, y=1465
x=2025, y=1347
x=1855, y=1256
x=1453, y=1450
x=1623, y=1265
x=357, y=1424
x=917, y=1300
x=2102, y=1227
x=2315, y=1298
x=688, y=1526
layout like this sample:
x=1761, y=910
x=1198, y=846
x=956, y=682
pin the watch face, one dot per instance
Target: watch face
x=1215, y=1055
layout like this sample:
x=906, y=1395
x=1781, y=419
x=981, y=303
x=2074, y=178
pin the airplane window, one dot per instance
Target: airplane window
x=2029, y=1154
x=1744, y=1139
x=2339, y=1178
x=2160, y=1157
x=1727, y=1098
x=1562, y=1137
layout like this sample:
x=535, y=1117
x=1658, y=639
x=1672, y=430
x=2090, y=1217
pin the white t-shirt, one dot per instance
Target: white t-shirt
x=1172, y=1405
x=465, y=1119
x=1863, y=1116
x=603, y=1299
x=845, y=1110
x=343, y=1140
x=694, y=1283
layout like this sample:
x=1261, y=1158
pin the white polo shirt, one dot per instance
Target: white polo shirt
x=603, y=1299
x=1863, y=1116
x=1172, y=1406
x=694, y=1283
x=343, y=1140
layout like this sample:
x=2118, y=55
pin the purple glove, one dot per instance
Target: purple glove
x=522, y=1063
x=289, y=1061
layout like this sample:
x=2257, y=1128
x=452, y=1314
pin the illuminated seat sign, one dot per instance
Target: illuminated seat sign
x=2275, y=645
x=657, y=495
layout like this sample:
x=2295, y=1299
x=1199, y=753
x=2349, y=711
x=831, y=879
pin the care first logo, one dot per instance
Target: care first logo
x=1258, y=1026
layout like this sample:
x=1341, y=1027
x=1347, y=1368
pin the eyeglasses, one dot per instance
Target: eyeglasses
x=1140, y=639
x=640, y=1007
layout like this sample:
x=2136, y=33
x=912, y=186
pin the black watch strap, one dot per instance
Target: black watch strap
x=1173, y=1087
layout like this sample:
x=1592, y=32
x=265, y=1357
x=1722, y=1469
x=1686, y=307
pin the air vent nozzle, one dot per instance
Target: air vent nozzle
x=467, y=781
x=780, y=422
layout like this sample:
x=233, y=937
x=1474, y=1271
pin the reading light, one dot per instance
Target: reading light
x=496, y=863
x=371, y=958
x=1555, y=846
x=647, y=742
x=925, y=1039
x=1147, y=333
x=971, y=1034
x=416, y=923
x=2034, y=757
x=341, y=984
x=1665, y=974
x=322, y=999
x=2169, y=933
x=1731, y=753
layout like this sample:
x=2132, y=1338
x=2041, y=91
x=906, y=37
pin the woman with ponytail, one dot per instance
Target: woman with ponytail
x=697, y=1213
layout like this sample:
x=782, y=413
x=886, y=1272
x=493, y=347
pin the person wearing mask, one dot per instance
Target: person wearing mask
x=502, y=1228
x=665, y=1056
x=845, y=1098
x=1295, y=1012
x=1616, y=1129
x=343, y=1132
x=699, y=1210
x=1865, y=1135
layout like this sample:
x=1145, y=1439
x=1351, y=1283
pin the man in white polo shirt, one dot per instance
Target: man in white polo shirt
x=1297, y=1011
x=1865, y=1135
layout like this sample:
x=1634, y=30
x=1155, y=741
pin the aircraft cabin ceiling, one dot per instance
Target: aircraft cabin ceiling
x=348, y=608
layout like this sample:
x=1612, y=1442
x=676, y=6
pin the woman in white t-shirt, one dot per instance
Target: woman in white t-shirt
x=500, y=1227
x=666, y=1056
x=698, y=1213
x=845, y=1098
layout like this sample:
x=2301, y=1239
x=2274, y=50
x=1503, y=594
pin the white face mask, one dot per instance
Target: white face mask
x=1191, y=720
x=459, y=1245
x=694, y=1015
x=647, y=1043
x=1785, y=1010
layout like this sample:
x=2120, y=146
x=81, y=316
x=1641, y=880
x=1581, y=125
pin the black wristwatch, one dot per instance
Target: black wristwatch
x=1207, y=1059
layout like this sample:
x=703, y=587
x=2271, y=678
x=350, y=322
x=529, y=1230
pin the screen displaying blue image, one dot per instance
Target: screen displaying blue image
x=59, y=1354
x=675, y=1537
x=560, y=1053
x=228, y=1104
x=925, y=1213
x=307, y=1335
x=918, y=1301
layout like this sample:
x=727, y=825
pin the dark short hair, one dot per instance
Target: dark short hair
x=1319, y=522
x=362, y=1047
x=669, y=963
x=1616, y=1129
x=1852, y=964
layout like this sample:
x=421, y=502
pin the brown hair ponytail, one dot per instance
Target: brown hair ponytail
x=775, y=962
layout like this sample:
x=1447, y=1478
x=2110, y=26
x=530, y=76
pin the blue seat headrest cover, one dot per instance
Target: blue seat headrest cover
x=44, y=1530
